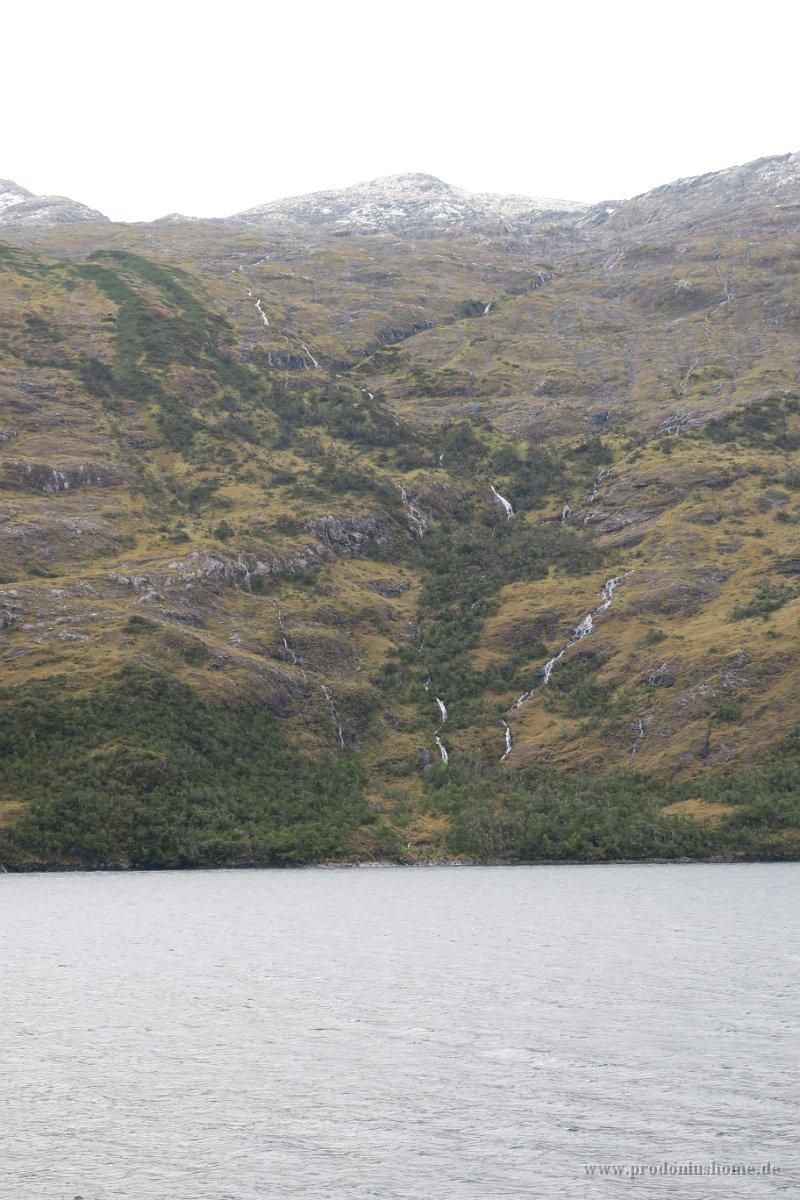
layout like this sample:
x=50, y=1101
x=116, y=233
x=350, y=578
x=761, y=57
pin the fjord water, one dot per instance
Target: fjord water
x=464, y=1032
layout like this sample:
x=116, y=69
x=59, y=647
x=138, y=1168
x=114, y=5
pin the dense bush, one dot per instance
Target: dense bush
x=148, y=773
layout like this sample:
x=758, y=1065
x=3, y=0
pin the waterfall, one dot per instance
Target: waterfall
x=639, y=736
x=566, y=510
x=508, y=742
x=656, y=674
x=584, y=628
x=417, y=522
x=292, y=653
x=326, y=691
x=442, y=751
x=442, y=709
x=502, y=500
x=596, y=488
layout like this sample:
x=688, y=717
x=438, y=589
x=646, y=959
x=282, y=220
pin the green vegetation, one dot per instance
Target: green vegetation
x=575, y=692
x=541, y=814
x=227, y=448
x=768, y=599
x=654, y=636
x=764, y=423
x=149, y=773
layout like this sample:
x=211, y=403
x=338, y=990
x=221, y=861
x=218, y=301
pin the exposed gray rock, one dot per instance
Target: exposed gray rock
x=413, y=203
x=195, y=619
x=662, y=676
x=352, y=535
x=53, y=480
x=203, y=568
x=18, y=207
x=389, y=588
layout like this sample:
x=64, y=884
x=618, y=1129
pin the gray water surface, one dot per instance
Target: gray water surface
x=473, y=1032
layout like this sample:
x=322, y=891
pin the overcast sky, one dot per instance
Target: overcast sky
x=150, y=108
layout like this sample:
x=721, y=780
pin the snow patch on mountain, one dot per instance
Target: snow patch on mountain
x=402, y=201
x=11, y=193
x=697, y=199
x=20, y=207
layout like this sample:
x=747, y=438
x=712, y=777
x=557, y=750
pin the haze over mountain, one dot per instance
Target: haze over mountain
x=399, y=521
x=20, y=207
x=424, y=203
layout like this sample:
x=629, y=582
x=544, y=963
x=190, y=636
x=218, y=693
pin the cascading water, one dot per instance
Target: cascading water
x=326, y=691
x=502, y=500
x=289, y=650
x=600, y=478
x=639, y=736
x=584, y=628
x=508, y=741
x=417, y=522
x=443, y=712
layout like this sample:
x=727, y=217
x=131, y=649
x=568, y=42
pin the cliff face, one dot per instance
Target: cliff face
x=422, y=519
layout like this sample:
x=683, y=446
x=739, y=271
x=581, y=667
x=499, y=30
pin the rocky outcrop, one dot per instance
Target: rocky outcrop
x=390, y=589
x=202, y=568
x=53, y=480
x=352, y=535
x=50, y=538
x=440, y=500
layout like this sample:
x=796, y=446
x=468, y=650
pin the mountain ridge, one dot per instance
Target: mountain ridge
x=414, y=199
x=19, y=207
x=383, y=546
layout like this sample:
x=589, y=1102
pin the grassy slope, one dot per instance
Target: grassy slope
x=162, y=381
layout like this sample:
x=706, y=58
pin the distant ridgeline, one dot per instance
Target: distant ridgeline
x=401, y=531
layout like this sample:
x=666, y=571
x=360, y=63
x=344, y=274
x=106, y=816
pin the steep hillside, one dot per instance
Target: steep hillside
x=403, y=541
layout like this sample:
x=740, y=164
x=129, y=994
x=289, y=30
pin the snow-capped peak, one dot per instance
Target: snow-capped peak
x=18, y=206
x=405, y=201
x=11, y=193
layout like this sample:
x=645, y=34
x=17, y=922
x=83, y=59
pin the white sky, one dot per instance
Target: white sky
x=158, y=107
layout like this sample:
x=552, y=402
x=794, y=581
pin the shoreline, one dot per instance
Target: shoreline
x=372, y=864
